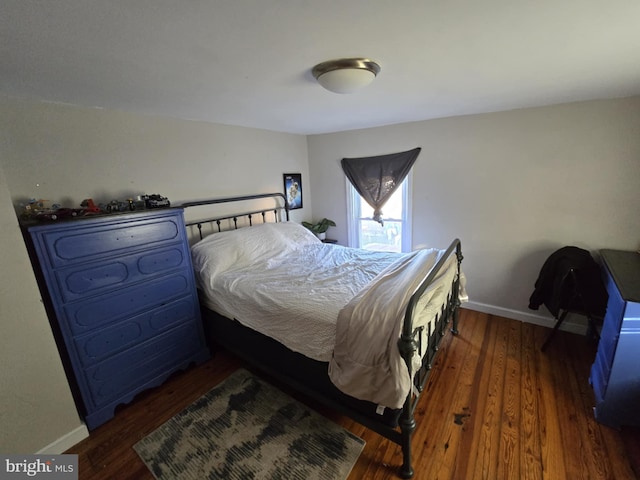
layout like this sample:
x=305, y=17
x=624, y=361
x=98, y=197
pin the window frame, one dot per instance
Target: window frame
x=354, y=215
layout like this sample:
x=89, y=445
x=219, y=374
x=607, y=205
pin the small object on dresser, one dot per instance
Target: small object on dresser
x=89, y=207
x=117, y=206
x=58, y=213
x=38, y=211
x=33, y=207
x=156, y=201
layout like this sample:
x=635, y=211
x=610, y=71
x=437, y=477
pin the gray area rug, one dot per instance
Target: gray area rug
x=245, y=429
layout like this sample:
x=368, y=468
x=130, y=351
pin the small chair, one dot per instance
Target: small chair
x=570, y=282
x=575, y=303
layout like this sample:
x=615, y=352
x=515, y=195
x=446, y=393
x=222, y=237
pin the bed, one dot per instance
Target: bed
x=353, y=329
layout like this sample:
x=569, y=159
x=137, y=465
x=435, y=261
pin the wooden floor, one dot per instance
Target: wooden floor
x=495, y=408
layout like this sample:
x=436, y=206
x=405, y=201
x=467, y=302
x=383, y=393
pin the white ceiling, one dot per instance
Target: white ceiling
x=248, y=62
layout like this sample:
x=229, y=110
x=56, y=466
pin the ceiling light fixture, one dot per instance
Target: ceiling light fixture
x=346, y=75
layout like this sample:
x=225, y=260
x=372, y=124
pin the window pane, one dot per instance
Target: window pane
x=374, y=236
x=387, y=238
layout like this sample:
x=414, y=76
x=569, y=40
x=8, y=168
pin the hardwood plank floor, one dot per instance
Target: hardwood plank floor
x=495, y=407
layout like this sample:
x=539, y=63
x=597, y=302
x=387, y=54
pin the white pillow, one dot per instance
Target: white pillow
x=295, y=234
x=224, y=251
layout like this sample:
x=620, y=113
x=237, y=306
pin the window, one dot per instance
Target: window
x=394, y=235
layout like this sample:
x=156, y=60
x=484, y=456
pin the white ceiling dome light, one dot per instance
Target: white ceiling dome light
x=346, y=75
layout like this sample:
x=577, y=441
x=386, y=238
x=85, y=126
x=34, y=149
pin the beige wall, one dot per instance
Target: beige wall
x=36, y=407
x=65, y=154
x=513, y=186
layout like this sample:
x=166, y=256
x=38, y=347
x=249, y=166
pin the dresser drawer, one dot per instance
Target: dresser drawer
x=120, y=374
x=609, y=337
x=88, y=240
x=101, y=277
x=600, y=377
x=100, y=345
x=97, y=312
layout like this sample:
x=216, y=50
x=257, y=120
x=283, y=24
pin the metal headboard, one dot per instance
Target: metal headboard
x=234, y=217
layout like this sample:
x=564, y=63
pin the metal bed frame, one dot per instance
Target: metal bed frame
x=249, y=215
x=408, y=343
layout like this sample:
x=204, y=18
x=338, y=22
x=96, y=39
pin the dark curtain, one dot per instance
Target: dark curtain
x=376, y=178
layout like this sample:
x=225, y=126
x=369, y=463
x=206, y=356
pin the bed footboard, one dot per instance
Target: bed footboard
x=409, y=344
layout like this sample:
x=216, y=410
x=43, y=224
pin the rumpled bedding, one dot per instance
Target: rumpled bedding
x=284, y=282
x=366, y=361
x=281, y=281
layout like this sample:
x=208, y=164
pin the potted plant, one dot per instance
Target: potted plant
x=320, y=228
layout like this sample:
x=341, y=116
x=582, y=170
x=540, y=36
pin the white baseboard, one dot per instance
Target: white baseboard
x=573, y=323
x=65, y=442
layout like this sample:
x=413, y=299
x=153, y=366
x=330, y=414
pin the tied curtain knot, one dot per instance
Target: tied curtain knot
x=377, y=216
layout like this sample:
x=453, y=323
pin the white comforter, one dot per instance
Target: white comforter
x=281, y=281
x=366, y=363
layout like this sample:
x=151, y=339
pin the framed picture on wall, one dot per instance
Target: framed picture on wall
x=293, y=189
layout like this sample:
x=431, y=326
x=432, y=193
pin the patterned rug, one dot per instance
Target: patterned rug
x=247, y=429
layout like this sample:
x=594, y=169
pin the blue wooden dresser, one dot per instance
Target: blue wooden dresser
x=121, y=298
x=615, y=374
